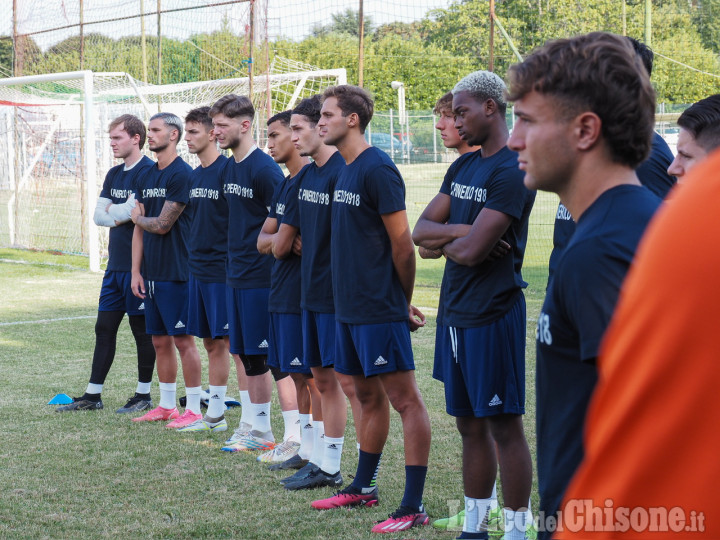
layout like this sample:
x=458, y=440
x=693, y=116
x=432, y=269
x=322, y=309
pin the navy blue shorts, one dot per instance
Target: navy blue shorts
x=318, y=338
x=373, y=349
x=207, y=309
x=116, y=294
x=286, y=343
x=249, y=320
x=166, y=308
x=483, y=368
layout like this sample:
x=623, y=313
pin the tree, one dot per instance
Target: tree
x=6, y=56
x=706, y=18
x=347, y=22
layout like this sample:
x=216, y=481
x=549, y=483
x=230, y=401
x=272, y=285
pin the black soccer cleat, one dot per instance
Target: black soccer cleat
x=137, y=403
x=81, y=404
x=295, y=462
x=316, y=479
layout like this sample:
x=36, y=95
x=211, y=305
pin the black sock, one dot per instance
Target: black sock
x=106, y=329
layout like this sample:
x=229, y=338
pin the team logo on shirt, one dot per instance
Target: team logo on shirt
x=562, y=213
x=153, y=192
x=280, y=209
x=120, y=193
x=542, y=332
x=468, y=193
x=204, y=193
x=317, y=197
x=346, y=197
x=242, y=191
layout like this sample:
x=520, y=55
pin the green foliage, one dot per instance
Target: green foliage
x=6, y=55
x=347, y=22
x=707, y=20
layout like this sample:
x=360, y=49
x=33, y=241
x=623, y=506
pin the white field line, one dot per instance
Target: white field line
x=39, y=321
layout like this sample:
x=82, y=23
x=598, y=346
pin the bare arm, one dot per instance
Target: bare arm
x=265, y=238
x=403, y=254
x=432, y=231
x=137, y=284
x=484, y=235
x=162, y=224
x=283, y=241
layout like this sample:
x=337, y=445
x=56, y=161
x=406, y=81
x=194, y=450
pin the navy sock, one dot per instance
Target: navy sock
x=414, y=485
x=472, y=535
x=367, y=470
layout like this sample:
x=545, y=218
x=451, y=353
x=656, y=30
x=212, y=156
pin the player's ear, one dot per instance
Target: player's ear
x=353, y=120
x=490, y=107
x=587, y=127
x=245, y=124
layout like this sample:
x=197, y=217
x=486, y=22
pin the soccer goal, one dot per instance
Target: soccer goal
x=54, y=151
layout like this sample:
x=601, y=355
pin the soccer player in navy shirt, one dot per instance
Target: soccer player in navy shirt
x=585, y=115
x=207, y=257
x=127, y=137
x=249, y=181
x=159, y=265
x=373, y=276
x=653, y=173
x=309, y=220
x=285, y=351
x=480, y=339
x=699, y=134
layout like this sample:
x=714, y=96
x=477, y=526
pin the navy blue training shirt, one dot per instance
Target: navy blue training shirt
x=117, y=187
x=652, y=174
x=165, y=256
x=472, y=296
x=312, y=215
x=579, y=303
x=207, y=238
x=285, y=275
x=365, y=284
x=249, y=187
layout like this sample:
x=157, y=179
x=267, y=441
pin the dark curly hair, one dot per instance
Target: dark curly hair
x=353, y=99
x=596, y=72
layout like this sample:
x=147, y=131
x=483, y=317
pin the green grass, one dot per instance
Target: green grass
x=97, y=475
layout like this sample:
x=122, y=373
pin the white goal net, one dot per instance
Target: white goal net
x=54, y=151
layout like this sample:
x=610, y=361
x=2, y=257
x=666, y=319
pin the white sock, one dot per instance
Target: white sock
x=306, y=436
x=216, y=405
x=93, y=388
x=332, y=454
x=475, y=512
x=515, y=524
x=193, y=398
x=167, y=394
x=291, y=419
x=261, y=417
x=318, y=446
x=245, y=406
x=143, y=387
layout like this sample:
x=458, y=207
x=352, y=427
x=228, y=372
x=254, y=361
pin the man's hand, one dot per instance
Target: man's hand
x=426, y=253
x=137, y=285
x=417, y=319
x=501, y=249
x=297, y=245
x=137, y=211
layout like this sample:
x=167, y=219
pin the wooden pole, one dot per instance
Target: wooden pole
x=491, y=61
x=251, y=48
x=143, y=44
x=361, y=49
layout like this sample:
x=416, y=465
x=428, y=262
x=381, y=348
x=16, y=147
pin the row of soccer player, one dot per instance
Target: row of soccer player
x=339, y=287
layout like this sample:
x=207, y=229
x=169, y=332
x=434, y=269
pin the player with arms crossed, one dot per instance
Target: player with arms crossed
x=286, y=340
x=373, y=276
x=585, y=116
x=480, y=340
x=127, y=137
x=159, y=249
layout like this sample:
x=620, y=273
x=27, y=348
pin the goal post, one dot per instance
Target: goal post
x=54, y=153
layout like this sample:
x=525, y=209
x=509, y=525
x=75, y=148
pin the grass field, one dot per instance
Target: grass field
x=97, y=475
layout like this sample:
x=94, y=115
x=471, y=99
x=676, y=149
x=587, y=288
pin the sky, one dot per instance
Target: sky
x=288, y=18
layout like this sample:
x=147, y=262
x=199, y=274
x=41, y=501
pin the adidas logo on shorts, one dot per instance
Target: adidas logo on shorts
x=296, y=362
x=226, y=327
x=380, y=361
x=263, y=345
x=179, y=325
x=495, y=401
x=142, y=306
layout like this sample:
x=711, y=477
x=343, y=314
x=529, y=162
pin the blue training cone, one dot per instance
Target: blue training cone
x=60, y=399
